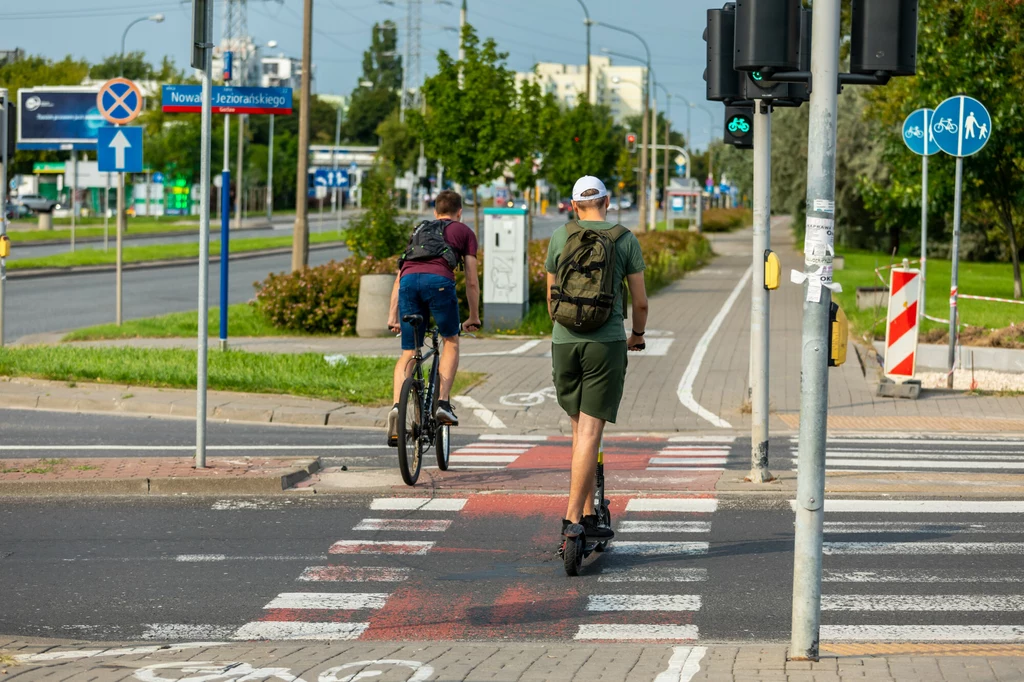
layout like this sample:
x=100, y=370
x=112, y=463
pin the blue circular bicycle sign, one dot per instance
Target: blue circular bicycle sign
x=961, y=125
x=917, y=133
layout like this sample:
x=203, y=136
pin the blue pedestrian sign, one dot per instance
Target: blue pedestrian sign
x=962, y=126
x=330, y=177
x=119, y=150
x=158, y=178
x=918, y=134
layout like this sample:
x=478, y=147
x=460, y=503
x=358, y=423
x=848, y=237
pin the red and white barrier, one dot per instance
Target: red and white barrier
x=901, y=327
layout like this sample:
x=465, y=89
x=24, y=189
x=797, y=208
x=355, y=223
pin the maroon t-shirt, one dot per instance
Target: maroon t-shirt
x=463, y=242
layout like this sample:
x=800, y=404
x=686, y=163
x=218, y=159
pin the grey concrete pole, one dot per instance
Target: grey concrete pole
x=760, y=307
x=3, y=200
x=74, y=195
x=821, y=192
x=334, y=164
x=641, y=193
x=239, y=163
x=652, y=213
x=953, y=312
x=924, y=224
x=270, y=174
x=300, y=236
x=204, y=256
x=106, y=214
x=119, y=268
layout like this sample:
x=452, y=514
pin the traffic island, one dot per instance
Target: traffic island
x=153, y=475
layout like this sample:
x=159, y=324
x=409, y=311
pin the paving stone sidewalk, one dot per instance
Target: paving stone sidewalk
x=513, y=662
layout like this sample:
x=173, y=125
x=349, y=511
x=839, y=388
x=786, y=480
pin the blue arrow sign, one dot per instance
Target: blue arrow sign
x=119, y=150
x=329, y=177
x=962, y=126
x=158, y=178
x=918, y=134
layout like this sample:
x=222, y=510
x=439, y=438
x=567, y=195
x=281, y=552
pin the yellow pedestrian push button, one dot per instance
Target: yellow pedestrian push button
x=5, y=246
x=838, y=336
x=772, y=270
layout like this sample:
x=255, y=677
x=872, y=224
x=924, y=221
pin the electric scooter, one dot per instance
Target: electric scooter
x=575, y=546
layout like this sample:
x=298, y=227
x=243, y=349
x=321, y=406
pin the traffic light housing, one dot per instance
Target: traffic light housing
x=630, y=142
x=12, y=128
x=756, y=86
x=739, y=127
x=800, y=92
x=884, y=37
x=723, y=83
x=767, y=35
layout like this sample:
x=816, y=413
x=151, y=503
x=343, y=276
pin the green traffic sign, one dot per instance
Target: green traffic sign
x=48, y=167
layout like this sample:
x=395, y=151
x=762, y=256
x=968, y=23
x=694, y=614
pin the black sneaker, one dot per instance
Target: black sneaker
x=565, y=526
x=595, y=531
x=444, y=413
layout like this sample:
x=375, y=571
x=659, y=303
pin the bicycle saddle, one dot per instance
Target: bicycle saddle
x=414, y=320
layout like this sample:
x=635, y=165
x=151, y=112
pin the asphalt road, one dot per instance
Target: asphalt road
x=485, y=569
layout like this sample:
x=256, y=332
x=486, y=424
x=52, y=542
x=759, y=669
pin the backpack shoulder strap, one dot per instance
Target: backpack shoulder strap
x=573, y=227
x=617, y=232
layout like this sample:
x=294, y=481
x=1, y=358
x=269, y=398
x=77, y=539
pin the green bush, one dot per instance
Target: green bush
x=378, y=233
x=726, y=219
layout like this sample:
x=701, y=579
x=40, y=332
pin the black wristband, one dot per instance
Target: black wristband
x=636, y=333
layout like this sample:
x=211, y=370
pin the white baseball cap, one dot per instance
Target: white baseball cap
x=585, y=183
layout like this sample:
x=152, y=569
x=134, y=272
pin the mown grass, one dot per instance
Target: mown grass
x=142, y=254
x=244, y=319
x=978, y=279
x=358, y=381
x=152, y=227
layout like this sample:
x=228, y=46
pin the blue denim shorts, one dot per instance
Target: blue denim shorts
x=427, y=295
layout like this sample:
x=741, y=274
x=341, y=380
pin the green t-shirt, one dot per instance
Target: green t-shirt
x=628, y=260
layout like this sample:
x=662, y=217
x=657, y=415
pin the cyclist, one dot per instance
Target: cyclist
x=426, y=286
x=589, y=368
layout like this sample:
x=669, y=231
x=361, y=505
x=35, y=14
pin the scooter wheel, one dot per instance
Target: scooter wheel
x=572, y=555
x=606, y=520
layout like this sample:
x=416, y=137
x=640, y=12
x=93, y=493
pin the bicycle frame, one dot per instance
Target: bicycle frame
x=427, y=390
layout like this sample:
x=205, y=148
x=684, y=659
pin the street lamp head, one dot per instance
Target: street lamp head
x=605, y=50
x=157, y=18
x=616, y=79
x=366, y=84
x=271, y=44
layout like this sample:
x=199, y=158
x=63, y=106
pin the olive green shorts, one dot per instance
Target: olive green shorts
x=589, y=377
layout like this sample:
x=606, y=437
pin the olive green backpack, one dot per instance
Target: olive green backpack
x=584, y=290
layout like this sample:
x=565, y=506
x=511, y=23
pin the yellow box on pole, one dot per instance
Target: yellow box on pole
x=5, y=246
x=772, y=270
x=838, y=336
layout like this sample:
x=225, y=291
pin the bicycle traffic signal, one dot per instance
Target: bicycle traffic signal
x=767, y=35
x=884, y=37
x=630, y=142
x=722, y=79
x=739, y=127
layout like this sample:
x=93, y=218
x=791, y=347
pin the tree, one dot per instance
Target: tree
x=586, y=143
x=470, y=128
x=371, y=104
x=974, y=47
x=537, y=120
x=379, y=233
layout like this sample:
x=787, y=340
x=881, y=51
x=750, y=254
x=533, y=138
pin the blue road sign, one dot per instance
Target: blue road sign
x=329, y=177
x=158, y=178
x=962, y=126
x=119, y=150
x=918, y=134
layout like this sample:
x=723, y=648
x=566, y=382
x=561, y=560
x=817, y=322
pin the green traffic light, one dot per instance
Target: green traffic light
x=756, y=75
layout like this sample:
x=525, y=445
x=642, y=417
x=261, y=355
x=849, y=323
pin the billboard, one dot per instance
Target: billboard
x=58, y=118
x=188, y=99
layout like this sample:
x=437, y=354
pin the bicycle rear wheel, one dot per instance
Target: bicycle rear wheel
x=410, y=420
x=443, y=446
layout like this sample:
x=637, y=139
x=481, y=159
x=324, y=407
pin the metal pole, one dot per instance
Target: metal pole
x=204, y=255
x=760, y=308
x=300, y=236
x=74, y=197
x=405, y=61
x=106, y=214
x=3, y=196
x=641, y=192
x=225, y=232
x=238, y=170
x=334, y=163
x=953, y=293
x=119, y=275
x=664, y=165
x=652, y=214
x=587, y=23
x=270, y=174
x=821, y=194
x=148, y=177
x=924, y=224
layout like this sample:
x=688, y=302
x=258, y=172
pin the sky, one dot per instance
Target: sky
x=530, y=31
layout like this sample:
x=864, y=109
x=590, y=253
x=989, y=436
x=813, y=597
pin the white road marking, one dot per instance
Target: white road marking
x=908, y=440
x=482, y=413
x=643, y=602
x=688, y=460
x=684, y=468
x=338, y=601
x=883, y=464
x=518, y=350
x=289, y=630
x=191, y=448
x=685, y=390
x=523, y=439
x=101, y=653
x=922, y=506
x=418, y=503
x=695, y=450
x=233, y=505
x=960, y=548
x=672, y=504
x=664, y=527
x=702, y=439
x=416, y=547
x=643, y=574
x=921, y=527
x=922, y=576
x=658, y=548
x=922, y=633
x=922, y=602
x=196, y=558
x=684, y=664
x=995, y=455
x=492, y=448
x=656, y=348
x=637, y=632
x=355, y=574
x=457, y=457
x=413, y=525
x=178, y=631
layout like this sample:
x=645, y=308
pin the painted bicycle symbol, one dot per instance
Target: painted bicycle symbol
x=739, y=124
x=528, y=399
x=210, y=671
x=914, y=131
x=945, y=124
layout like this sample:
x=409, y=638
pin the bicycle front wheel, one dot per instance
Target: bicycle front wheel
x=410, y=426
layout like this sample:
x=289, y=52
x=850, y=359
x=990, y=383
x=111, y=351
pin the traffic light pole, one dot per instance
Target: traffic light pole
x=818, y=253
x=760, y=307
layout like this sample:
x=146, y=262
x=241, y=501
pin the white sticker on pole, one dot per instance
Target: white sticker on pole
x=824, y=206
x=901, y=329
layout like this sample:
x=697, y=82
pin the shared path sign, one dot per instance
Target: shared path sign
x=188, y=99
x=962, y=126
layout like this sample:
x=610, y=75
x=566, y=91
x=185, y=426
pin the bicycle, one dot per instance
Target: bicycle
x=945, y=124
x=417, y=428
x=914, y=131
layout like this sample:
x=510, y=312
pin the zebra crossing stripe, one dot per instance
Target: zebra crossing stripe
x=643, y=574
x=932, y=576
x=417, y=504
x=462, y=456
x=672, y=504
x=922, y=602
x=703, y=439
x=997, y=455
x=635, y=632
x=922, y=633
x=922, y=506
x=514, y=439
x=291, y=630
x=335, y=601
x=417, y=547
x=688, y=460
x=412, y=525
x=355, y=574
x=658, y=548
x=958, y=548
x=643, y=602
x=882, y=464
x=663, y=527
x=923, y=527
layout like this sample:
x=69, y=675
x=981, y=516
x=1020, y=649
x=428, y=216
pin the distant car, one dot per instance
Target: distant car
x=613, y=204
x=16, y=211
x=626, y=203
x=565, y=206
x=37, y=202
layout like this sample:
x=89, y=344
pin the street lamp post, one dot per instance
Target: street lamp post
x=711, y=135
x=587, y=22
x=156, y=19
x=664, y=165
